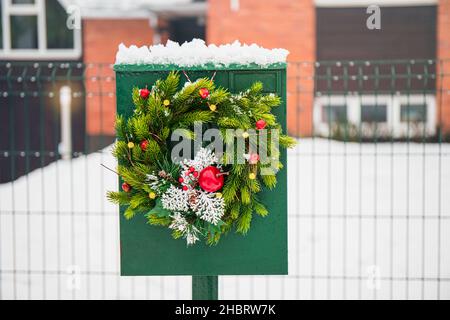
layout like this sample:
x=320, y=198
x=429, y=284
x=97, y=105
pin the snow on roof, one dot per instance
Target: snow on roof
x=197, y=53
x=135, y=8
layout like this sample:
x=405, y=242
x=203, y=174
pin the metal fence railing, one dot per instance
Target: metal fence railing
x=368, y=183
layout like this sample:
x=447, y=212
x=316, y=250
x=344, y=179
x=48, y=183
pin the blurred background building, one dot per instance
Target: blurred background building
x=89, y=32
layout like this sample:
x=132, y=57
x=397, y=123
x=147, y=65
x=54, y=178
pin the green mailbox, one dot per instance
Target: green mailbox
x=149, y=250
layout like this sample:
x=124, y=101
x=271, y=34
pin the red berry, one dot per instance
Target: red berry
x=185, y=188
x=204, y=93
x=180, y=180
x=195, y=174
x=254, y=158
x=261, y=124
x=126, y=187
x=144, y=93
x=144, y=145
x=191, y=169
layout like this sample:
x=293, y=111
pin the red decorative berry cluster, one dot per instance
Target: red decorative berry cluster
x=144, y=93
x=210, y=179
x=144, y=145
x=126, y=187
x=204, y=93
x=261, y=124
x=254, y=158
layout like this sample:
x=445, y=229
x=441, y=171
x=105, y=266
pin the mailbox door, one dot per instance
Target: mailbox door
x=150, y=250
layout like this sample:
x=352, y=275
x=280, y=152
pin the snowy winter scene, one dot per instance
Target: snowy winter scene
x=374, y=214
x=96, y=204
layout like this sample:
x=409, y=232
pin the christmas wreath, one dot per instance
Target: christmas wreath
x=207, y=194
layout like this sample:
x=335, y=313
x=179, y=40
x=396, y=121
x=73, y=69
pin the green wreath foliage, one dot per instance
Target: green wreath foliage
x=150, y=176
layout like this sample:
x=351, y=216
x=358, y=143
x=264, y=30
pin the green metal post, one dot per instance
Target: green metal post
x=205, y=287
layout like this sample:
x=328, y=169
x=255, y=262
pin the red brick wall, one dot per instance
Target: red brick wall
x=274, y=24
x=101, y=38
x=443, y=54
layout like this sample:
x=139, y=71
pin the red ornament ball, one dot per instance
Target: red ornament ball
x=185, y=188
x=144, y=145
x=254, y=158
x=144, y=93
x=261, y=124
x=204, y=93
x=126, y=187
x=191, y=169
x=180, y=180
x=195, y=174
x=210, y=179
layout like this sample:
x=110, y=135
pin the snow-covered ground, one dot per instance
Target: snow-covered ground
x=365, y=221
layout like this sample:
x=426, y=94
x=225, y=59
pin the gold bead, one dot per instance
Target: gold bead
x=245, y=135
x=212, y=107
x=130, y=145
x=166, y=102
x=152, y=195
x=218, y=195
x=252, y=176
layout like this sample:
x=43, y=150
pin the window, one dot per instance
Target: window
x=341, y=32
x=58, y=35
x=373, y=113
x=24, y=34
x=22, y=1
x=413, y=113
x=37, y=29
x=398, y=115
x=334, y=113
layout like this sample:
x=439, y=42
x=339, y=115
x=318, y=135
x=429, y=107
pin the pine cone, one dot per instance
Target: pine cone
x=193, y=197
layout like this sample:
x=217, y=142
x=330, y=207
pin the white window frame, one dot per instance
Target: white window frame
x=393, y=104
x=42, y=52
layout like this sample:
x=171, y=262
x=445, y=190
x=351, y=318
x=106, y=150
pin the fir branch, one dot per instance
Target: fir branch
x=141, y=126
x=287, y=142
x=121, y=198
x=120, y=127
x=183, y=132
x=229, y=122
x=129, y=213
x=244, y=220
x=254, y=185
x=269, y=181
x=138, y=101
x=259, y=208
x=139, y=200
x=213, y=239
x=186, y=120
x=130, y=176
x=158, y=221
x=245, y=195
x=169, y=86
x=256, y=88
x=271, y=100
x=176, y=234
x=235, y=209
x=219, y=95
x=230, y=188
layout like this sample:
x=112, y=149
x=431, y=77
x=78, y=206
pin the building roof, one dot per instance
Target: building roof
x=366, y=3
x=135, y=9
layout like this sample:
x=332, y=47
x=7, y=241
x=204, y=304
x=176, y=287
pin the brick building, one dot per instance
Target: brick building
x=311, y=29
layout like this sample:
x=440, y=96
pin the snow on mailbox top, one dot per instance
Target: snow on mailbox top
x=197, y=53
